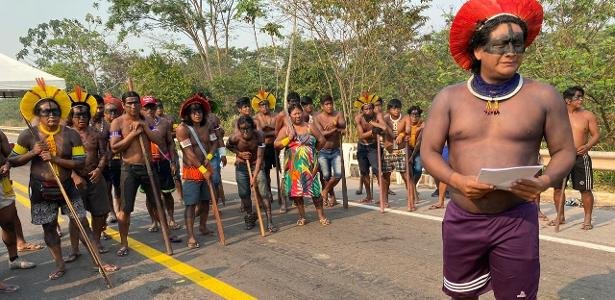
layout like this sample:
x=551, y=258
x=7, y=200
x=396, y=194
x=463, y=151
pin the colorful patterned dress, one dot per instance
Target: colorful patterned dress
x=299, y=160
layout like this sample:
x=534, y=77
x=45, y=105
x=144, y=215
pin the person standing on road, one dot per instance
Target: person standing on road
x=413, y=131
x=176, y=176
x=194, y=135
x=585, y=134
x=113, y=109
x=264, y=104
x=301, y=141
x=62, y=147
x=394, y=154
x=369, y=126
x=496, y=119
x=249, y=146
x=89, y=179
x=163, y=162
x=125, y=134
x=332, y=125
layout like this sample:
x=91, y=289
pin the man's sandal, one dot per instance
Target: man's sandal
x=123, y=251
x=30, y=247
x=57, y=274
x=301, y=222
x=8, y=288
x=324, y=222
x=271, y=228
x=71, y=257
x=587, y=227
x=153, y=228
x=193, y=245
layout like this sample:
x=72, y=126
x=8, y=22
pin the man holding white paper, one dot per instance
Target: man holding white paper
x=496, y=119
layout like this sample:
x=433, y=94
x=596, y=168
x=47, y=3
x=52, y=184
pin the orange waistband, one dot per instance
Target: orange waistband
x=191, y=173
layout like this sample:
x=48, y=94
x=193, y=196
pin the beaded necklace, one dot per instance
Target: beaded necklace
x=494, y=93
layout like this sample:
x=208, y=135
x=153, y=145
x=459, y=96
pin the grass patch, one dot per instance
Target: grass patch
x=9, y=113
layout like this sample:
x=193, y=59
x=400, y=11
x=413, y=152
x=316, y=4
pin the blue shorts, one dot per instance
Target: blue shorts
x=243, y=182
x=195, y=192
x=216, y=178
x=330, y=161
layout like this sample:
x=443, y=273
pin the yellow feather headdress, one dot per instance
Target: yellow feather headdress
x=80, y=97
x=261, y=96
x=40, y=92
x=364, y=99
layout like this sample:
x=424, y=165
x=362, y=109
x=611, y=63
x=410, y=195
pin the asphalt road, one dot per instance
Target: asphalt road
x=363, y=254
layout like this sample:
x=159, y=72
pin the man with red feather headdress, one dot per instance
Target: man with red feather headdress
x=497, y=119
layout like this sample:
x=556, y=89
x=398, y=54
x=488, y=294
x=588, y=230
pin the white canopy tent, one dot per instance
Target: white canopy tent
x=17, y=77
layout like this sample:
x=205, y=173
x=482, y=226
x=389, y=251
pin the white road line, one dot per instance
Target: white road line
x=543, y=237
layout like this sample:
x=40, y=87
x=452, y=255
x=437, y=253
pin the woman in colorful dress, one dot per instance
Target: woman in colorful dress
x=301, y=142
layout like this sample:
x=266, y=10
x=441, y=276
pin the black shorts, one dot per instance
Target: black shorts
x=132, y=177
x=269, y=159
x=115, y=173
x=95, y=198
x=367, y=156
x=582, y=174
x=165, y=175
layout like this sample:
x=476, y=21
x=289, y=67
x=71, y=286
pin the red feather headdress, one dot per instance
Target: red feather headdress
x=476, y=12
x=196, y=98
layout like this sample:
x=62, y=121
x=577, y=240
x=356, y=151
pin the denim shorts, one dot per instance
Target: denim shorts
x=243, y=182
x=216, y=178
x=195, y=191
x=330, y=161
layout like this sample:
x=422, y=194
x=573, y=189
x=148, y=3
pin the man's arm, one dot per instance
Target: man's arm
x=183, y=136
x=362, y=133
x=25, y=149
x=260, y=154
x=77, y=159
x=118, y=142
x=157, y=136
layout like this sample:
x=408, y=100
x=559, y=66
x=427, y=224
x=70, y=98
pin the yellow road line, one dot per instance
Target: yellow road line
x=191, y=273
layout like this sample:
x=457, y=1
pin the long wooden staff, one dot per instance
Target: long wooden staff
x=409, y=180
x=560, y=206
x=255, y=197
x=344, y=186
x=162, y=216
x=379, y=151
x=214, y=206
x=277, y=176
x=417, y=146
x=73, y=213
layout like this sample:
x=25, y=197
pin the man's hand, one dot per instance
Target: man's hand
x=529, y=189
x=39, y=147
x=173, y=169
x=45, y=155
x=252, y=181
x=79, y=182
x=470, y=187
x=4, y=170
x=583, y=149
x=399, y=140
x=95, y=175
x=245, y=155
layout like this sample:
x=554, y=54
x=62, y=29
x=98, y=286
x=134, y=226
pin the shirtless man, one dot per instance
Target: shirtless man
x=585, y=134
x=89, y=180
x=243, y=108
x=196, y=168
x=125, y=132
x=176, y=176
x=369, y=126
x=62, y=147
x=249, y=145
x=332, y=125
x=308, y=109
x=9, y=221
x=163, y=162
x=219, y=152
x=265, y=122
x=394, y=148
x=414, y=126
x=113, y=109
x=482, y=252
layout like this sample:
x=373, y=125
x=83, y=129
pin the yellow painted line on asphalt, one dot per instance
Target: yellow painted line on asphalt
x=204, y=280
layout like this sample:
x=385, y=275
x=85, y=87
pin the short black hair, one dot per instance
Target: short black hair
x=325, y=99
x=415, y=108
x=37, y=107
x=484, y=29
x=99, y=99
x=569, y=92
x=394, y=103
x=242, y=101
x=246, y=120
x=305, y=100
x=293, y=96
x=185, y=116
x=293, y=105
x=130, y=94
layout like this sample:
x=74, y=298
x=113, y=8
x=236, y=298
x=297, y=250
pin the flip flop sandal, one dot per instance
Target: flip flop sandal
x=175, y=239
x=366, y=201
x=102, y=249
x=105, y=236
x=271, y=228
x=324, y=222
x=30, y=247
x=57, y=274
x=174, y=226
x=193, y=245
x=435, y=206
x=357, y=192
x=109, y=268
x=587, y=227
x=72, y=257
x=122, y=251
x=153, y=229
x=301, y=222
x=9, y=288
x=411, y=209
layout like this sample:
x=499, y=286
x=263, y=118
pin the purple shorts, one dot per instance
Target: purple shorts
x=483, y=252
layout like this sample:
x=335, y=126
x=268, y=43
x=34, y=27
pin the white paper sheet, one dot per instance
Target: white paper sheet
x=504, y=177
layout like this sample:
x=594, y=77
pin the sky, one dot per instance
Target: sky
x=18, y=16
